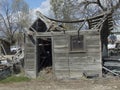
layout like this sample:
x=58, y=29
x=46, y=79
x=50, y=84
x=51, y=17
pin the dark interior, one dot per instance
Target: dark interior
x=44, y=53
x=39, y=26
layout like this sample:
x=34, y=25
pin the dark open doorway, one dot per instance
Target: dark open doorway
x=44, y=52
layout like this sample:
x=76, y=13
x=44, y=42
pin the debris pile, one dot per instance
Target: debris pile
x=5, y=67
x=112, y=64
x=11, y=64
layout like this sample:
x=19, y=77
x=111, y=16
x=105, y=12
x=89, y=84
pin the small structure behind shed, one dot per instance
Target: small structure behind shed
x=4, y=47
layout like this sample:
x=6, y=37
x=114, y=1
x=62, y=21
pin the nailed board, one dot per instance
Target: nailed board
x=30, y=59
x=74, y=64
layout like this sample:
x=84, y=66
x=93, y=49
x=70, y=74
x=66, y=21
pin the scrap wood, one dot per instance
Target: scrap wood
x=110, y=71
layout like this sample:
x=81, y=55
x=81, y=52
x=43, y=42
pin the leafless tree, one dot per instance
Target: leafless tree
x=11, y=18
x=76, y=9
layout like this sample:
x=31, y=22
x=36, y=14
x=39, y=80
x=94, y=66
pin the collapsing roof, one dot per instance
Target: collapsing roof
x=45, y=24
x=67, y=54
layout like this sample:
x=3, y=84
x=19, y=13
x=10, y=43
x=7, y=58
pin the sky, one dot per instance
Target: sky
x=34, y=3
x=40, y=5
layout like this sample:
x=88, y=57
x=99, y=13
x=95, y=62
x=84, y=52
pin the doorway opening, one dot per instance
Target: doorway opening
x=44, y=52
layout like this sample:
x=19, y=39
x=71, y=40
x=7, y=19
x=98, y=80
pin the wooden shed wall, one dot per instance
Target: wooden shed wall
x=67, y=64
x=30, y=58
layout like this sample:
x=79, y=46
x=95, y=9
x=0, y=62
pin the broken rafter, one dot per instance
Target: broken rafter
x=75, y=21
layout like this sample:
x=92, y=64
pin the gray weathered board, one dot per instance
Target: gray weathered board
x=30, y=59
x=69, y=64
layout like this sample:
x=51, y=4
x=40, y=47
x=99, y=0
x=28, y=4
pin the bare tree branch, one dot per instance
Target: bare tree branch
x=9, y=19
x=116, y=6
x=100, y=5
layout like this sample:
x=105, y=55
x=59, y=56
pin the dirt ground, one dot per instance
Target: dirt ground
x=45, y=81
x=82, y=84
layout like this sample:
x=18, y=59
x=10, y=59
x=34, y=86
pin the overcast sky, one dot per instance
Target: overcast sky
x=41, y=5
x=34, y=3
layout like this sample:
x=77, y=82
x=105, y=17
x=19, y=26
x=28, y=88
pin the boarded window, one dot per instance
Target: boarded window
x=77, y=43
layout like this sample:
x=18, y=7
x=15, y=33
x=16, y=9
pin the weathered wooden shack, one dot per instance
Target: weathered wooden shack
x=71, y=53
